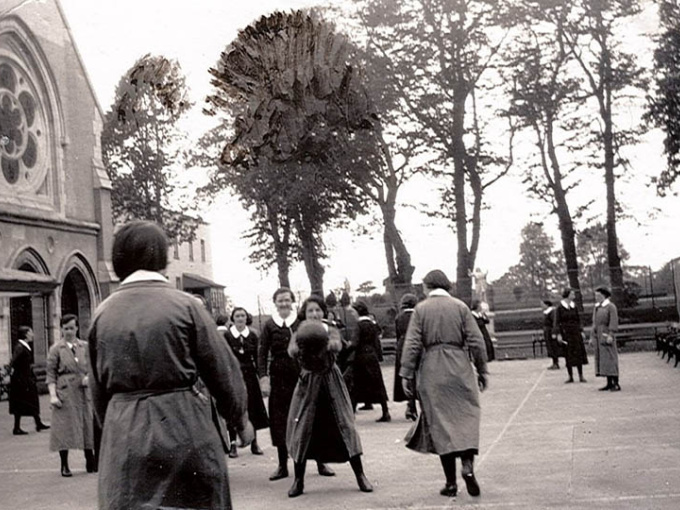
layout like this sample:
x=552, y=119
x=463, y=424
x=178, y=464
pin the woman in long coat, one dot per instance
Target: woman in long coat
x=67, y=382
x=364, y=376
x=243, y=342
x=435, y=360
x=279, y=374
x=23, y=389
x=567, y=329
x=605, y=325
x=551, y=344
x=321, y=418
x=149, y=344
x=406, y=305
x=482, y=320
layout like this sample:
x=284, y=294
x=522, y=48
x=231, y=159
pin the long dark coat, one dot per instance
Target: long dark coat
x=23, y=389
x=605, y=322
x=400, y=326
x=245, y=350
x=321, y=418
x=441, y=329
x=283, y=371
x=551, y=344
x=72, y=422
x=149, y=344
x=364, y=377
x=568, y=324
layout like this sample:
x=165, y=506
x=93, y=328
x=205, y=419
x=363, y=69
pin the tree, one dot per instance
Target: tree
x=141, y=147
x=296, y=104
x=366, y=288
x=664, y=104
x=611, y=74
x=434, y=53
x=591, y=244
x=546, y=99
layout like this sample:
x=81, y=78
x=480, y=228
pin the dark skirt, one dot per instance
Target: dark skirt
x=283, y=379
x=364, y=379
x=23, y=396
x=575, y=351
x=257, y=413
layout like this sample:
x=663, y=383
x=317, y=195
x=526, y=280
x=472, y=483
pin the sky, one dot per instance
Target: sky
x=112, y=34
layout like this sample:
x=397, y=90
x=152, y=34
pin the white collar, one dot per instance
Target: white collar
x=281, y=322
x=567, y=305
x=605, y=302
x=548, y=310
x=407, y=310
x=438, y=292
x=25, y=344
x=144, y=275
x=365, y=318
x=475, y=313
x=236, y=333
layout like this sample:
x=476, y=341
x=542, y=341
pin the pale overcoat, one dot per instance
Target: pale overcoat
x=149, y=344
x=441, y=332
x=71, y=424
x=605, y=323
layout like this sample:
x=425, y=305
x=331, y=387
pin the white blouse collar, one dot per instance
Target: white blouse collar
x=605, y=302
x=438, y=292
x=144, y=275
x=281, y=322
x=567, y=305
x=236, y=333
x=25, y=344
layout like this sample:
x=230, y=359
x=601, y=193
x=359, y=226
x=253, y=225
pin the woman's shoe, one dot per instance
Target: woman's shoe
x=384, y=418
x=471, y=484
x=364, y=484
x=297, y=488
x=41, y=426
x=281, y=472
x=66, y=472
x=616, y=387
x=413, y=416
x=582, y=379
x=568, y=381
x=324, y=470
x=605, y=388
x=19, y=432
x=233, y=451
x=449, y=490
x=255, y=448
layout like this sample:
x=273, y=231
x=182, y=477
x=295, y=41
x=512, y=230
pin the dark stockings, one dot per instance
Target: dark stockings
x=17, y=422
x=579, y=368
x=449, y=465
x=282, y=452
x=63, y=455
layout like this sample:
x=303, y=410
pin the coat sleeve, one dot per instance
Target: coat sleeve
x=52, y=365
x=263, y=352
x=613, y=319
x=413, y=347
x=219, y=369
x=556, y=321
x=100, y=397
x=474, y=340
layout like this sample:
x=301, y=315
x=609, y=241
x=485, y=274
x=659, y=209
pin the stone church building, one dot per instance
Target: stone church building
x=55, y=212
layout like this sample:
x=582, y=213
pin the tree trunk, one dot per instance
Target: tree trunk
x=402, y=269
x=281, y=246
x=310, y=256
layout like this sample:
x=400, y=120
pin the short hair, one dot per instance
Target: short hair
x=476, y=303
x=331, y=300
x=408, y=300
x=249, y=318
x=139, y=245
x=221, y=319
x=604, y=291
x=345, y=299
x=22, y=332
x=314, y=298
x=436, y=279
x=282, y=290
x=361, y=308
x=566, y=291
x=65, y=319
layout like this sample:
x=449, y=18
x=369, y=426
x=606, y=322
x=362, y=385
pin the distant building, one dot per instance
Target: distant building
x=190, y=269
x=55, y=212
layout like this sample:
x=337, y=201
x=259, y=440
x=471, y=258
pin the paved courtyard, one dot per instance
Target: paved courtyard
x=545, y=444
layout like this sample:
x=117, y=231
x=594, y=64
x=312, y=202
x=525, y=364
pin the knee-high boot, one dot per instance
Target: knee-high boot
x=298, y=486
x=358, y=468
x=65, y=471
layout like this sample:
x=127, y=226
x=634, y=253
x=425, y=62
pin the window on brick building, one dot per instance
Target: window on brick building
x=202, y=250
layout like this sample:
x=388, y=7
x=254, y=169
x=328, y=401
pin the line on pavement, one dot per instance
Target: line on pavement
x=511, y=420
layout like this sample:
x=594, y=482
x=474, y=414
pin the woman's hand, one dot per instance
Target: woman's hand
x=85, y=382
x=54, y=401
x=265, y=386
x=482, y=381
x=408, y=385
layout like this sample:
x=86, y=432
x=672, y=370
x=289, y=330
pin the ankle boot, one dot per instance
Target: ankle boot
x=324, y=470
x=65, y=471
x=255, y=448
x=298, y=486
x=233, y=452
x=469, y=477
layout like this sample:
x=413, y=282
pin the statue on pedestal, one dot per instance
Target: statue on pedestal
x=479, y=278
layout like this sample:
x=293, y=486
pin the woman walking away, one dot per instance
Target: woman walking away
x=149, y=344
x=23, y=388
x=67, y=382
x=441, y=333
x=278, y=374
x=321, y=418
x=605, y=325
x=367, y=383
x=243, y=342
x=567, y=328
x=406, y=305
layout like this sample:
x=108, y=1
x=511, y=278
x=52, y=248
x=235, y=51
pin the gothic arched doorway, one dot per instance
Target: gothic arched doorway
x=75, y=298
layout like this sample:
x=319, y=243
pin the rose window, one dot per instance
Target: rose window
x=22, y=131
